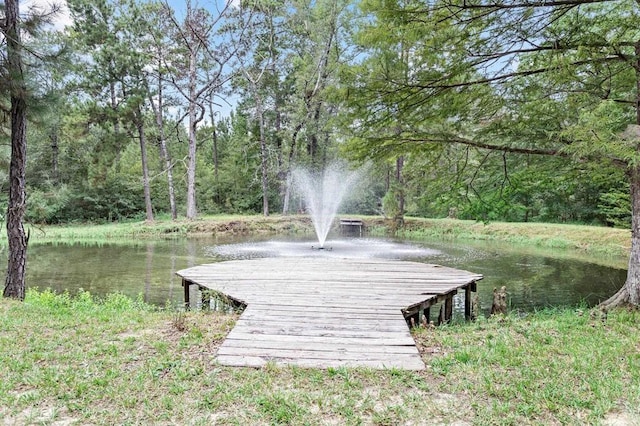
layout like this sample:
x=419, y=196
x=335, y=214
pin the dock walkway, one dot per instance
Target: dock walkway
x=328, y=312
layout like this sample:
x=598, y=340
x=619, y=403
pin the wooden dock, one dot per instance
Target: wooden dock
x=328, y=312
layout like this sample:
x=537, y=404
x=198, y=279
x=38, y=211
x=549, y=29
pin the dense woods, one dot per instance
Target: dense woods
x=515, y=110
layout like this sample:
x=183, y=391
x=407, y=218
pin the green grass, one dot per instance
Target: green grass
x=553, y=367
x=77, y=360
x=599, y=240
x=222, y=225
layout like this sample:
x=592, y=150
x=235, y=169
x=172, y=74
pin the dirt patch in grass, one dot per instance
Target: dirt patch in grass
x=622, y=418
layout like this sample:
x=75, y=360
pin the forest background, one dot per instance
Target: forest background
x=125, y=96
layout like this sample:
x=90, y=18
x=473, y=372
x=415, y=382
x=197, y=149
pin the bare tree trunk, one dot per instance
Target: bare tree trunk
x=116, y=124
x=287, y=192
x=632, y=285
x=214, y=136
x=55, y=151
x=17, y=239
x=263, y=153
x=288, y=179
x=191, y=165
x=145, y=168
x=15, y=279
x=164, y=152
x=400, y=183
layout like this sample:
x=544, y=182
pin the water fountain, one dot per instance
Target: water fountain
x=323, y=192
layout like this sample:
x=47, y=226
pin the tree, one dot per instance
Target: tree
x=158, y=104
x=111, y=31
x=14, y=85
x=197, y=49
x=14, y=283
x=316, y=33
x=555, y=78
x=257, y=56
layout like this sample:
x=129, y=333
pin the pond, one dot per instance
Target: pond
x=534, y=278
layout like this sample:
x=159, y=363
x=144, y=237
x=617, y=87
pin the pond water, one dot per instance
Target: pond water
x=534, y=278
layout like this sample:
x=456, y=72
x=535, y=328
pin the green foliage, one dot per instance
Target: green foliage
x=83, y=302
x=614, y=206
x=391, y=203
x=112, y=200
x=48, y=206
x=598, y=133
x=386, y=79
x=115, y=199
x=572, y=98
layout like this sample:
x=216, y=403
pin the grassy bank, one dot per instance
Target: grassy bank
x=220, y=226
x=78, y=361
x=588, y=239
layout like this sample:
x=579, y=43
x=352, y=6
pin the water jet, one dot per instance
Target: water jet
x=323, y=192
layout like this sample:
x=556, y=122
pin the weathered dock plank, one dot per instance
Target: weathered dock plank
x=326, y=312
x=287, y=338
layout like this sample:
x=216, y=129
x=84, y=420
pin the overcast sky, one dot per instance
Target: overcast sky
x=63, y=18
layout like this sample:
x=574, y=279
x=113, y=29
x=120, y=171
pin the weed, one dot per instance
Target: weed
x=179, y=321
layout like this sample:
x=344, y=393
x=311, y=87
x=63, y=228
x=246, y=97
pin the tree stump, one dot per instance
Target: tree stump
x=499, y=305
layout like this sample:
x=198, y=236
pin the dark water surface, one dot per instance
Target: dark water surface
x=534, y=278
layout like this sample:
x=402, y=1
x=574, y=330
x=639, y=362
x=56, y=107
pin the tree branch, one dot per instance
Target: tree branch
x=520, y=5
x=514, y=74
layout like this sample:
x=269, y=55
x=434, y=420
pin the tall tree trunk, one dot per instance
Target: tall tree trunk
x=17, y=239
x=55, y=151
x=630, y=292
x=191, y=165
x=116, y=125
x=145, y=167
x=214, y=136
x=632, y=284
x=164, y=152
x=400, y=183
x=288, y=179
x=263, y=153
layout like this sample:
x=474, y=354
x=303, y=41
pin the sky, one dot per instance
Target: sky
x=63, y=18
x=60, y=21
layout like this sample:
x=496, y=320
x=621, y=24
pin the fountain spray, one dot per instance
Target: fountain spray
x=323, y=193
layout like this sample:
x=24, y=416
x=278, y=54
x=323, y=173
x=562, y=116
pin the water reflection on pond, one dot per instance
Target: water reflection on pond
x=533, y=278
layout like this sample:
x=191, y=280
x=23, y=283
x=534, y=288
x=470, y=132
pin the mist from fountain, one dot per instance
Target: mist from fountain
x=323, y=193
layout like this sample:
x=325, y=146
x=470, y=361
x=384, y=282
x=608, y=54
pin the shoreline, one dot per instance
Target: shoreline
x=611, y=242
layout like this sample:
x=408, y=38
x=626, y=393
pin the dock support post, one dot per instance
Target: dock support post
x=414, y=320
x=426, y=314
x=187, y=302
x=206, y=299
x=441, y=319
x=448, y=308
x=467, y=303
